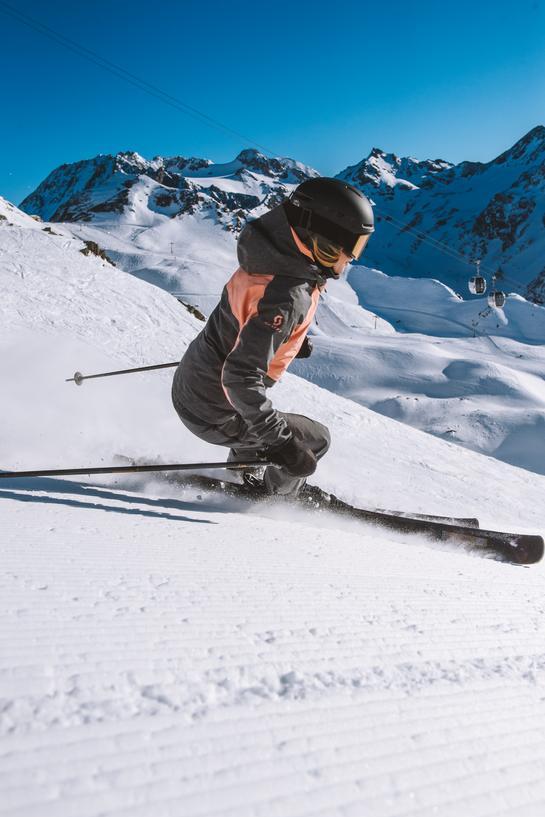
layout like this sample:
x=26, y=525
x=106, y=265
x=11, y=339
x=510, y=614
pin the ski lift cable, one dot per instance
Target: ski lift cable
x=442, y=247
x=451, y=252
x=122, y=73
x=430, y=240
x=424, y=237
x=448, y=251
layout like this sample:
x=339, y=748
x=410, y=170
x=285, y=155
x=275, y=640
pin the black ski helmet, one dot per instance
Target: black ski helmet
x=334, y=209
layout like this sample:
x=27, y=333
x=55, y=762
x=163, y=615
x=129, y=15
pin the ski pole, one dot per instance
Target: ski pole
x=133, y=469
x=79, y=377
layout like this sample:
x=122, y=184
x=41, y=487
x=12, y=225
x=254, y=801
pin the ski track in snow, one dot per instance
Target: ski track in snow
x=171, y=667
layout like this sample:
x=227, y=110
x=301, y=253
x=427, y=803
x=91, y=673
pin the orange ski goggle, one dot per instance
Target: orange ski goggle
x=359, y=246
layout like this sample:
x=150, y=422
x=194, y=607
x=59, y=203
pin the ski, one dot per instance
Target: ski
x=515, y=548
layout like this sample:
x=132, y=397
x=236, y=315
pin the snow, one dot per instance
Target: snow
x=164, y=657
x=166, y=652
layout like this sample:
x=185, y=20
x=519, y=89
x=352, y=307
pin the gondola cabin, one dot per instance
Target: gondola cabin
x=496, y=299
x=477, y=285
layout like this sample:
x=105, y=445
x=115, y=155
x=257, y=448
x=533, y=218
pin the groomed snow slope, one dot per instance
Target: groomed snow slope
x=168, y=653
x=161, y=657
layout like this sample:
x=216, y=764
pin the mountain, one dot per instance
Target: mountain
x=114, y=185
x=170, y=221
x=385, y=172
x=434, y=218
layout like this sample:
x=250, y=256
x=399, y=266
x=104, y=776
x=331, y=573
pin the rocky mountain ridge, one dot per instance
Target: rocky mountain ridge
x=434, y=218
x=175, y=186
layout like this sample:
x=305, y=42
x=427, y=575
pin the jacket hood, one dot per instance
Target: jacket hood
x=266, y=247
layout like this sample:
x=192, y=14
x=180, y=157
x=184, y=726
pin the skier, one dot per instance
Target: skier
x=286, y=257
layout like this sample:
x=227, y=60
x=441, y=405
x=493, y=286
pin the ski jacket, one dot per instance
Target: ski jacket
x=254, y=333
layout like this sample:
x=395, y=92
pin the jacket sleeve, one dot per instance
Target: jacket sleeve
x=245, y=368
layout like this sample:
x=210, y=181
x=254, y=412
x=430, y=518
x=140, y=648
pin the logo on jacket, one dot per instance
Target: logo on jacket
x=277, y=323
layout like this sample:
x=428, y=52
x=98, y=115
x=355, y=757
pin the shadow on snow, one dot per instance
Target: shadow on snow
x=30, y=490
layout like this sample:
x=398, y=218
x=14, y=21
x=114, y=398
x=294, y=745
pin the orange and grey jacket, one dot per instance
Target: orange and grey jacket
x=254, y=333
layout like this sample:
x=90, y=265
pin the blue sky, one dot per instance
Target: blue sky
x=322, y=83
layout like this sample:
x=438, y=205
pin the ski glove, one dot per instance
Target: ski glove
x=294, y=456
x=306, y=349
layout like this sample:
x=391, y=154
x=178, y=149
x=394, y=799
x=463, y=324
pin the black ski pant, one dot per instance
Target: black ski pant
x=232, y=433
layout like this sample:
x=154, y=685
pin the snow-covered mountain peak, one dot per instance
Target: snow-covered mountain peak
x=530, y=147
x=184, y=165
x=528, y=152
x=284, y=169
x=171, y=186
x=386, y=171
x=132, y=157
